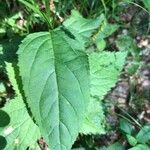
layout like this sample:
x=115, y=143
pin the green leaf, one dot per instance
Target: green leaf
x=144, y=134
x=126, y=43
x=54, y=71
x=12, y=78
x=106, y=30
x=147, y=4
x=140, y=147
x=132, y=141
x=94, y=123
x=125, y=126
x=101, y=44
x=105, y=68
x=81, y=26
x=21, y=132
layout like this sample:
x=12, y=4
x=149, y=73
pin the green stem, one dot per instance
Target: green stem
x=131, y=117
x=125, y=118
x=113, y=6
x=104, y=5
x=34, y=8
x=47, y=5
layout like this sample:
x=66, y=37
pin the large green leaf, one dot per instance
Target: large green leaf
x=105, y=68
x=21, y=132
x=54, y=70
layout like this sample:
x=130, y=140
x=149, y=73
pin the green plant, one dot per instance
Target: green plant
x=136, y=140
x=63, y=85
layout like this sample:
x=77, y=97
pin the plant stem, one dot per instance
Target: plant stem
x=47, y=4
x=131, y=117
x=104, y=5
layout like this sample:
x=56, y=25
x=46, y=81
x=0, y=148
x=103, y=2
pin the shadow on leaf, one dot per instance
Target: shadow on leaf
x=3, y=142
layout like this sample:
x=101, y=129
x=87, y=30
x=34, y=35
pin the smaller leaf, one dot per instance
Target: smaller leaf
x=95, y=118
x=132, y=141
x=81, y=26
x=101, y=44
x=12, y=79
x=126, y=43
x=105, y=68
x=144, y=134
x=106, y=30
x=125, y=126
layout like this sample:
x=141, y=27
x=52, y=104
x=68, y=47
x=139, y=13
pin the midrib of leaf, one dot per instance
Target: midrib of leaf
x=58, y=105
x=59, y=91
x=58, y=97
x=57, y=80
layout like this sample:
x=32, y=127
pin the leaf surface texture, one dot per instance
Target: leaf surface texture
x=54, y=70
